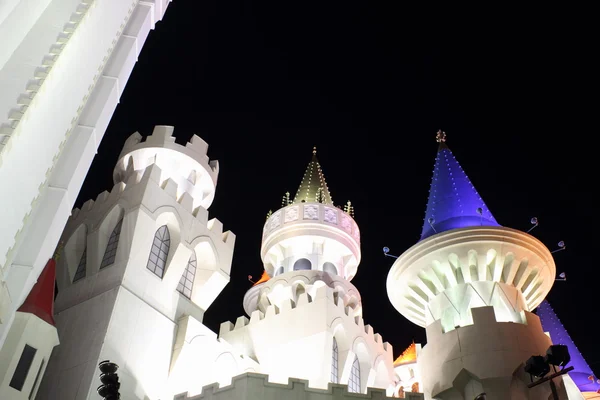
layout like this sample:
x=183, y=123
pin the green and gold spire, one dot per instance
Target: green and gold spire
x=313, y=188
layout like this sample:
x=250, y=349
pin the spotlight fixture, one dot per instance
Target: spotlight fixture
x=558, y=355
x=534, y=221
x=537, y=366
x=561, y=246
x=386, y=251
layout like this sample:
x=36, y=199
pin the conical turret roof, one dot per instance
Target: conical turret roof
x=40, y=301
x=453, y=200
x=559, y=335
x=313, y=188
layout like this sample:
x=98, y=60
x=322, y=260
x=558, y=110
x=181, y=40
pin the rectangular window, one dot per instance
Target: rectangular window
x=18, y=379
x=37, y=379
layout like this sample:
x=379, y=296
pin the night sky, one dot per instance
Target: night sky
x=370, y=84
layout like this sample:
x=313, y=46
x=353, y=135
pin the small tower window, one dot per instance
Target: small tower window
x=354, y=381
x=111, y=248
x=279, y=271
x=186, y=283
x=302, y=264
x=23, y=366
x=160, y=250
x=80, y=273
x=330, y=268
x=334, y=362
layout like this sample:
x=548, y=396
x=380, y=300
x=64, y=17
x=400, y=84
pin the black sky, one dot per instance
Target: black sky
x=369, y=84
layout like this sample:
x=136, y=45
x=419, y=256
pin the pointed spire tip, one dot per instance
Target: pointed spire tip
x=315, y=150
x=440, y=136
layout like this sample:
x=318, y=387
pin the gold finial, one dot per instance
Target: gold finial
x=440, y=137
x=315, y=150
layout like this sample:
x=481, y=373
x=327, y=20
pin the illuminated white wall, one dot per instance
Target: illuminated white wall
x=124, y=312
x=295, y=339
x=487, y=355
x=63, y=67
x=200, y=359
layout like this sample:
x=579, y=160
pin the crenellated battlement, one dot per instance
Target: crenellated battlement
x=294, y=388
x=188, y=166
x=162, y=136
x=484, y=316
x=289, y=306
x=136, y=187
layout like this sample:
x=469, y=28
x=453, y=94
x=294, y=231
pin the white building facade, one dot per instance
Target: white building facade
x=142, y=263
x=63, y=67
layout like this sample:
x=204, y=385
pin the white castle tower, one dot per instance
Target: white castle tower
x=473, y=285
x=63, y=67
x=139, y=263
x=305, y=314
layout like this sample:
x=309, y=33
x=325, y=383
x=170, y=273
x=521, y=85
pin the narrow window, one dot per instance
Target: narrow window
x=279, y=271
x=20, y=374
x=80, y=273
x=160, y=250
x=187, y=279
x=330, y=268
x=37, y=379
x=111, y=248
x=334, y=362
x=354, y=381
x=302, y=264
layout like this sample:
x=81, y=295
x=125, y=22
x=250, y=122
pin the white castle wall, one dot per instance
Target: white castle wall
x=296, y=339
x=251, y=386
x=487, y=356
x=124, y=312
x=63, y=66
x=200, y=358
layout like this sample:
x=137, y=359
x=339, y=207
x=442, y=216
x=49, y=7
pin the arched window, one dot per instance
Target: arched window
x=330, y=268
x=80, y=273
x=279, y=271
x=111, y=248
x=187, y=279
x=334, y=362
x=157, y=261
x=354, y=381
x=302, y=264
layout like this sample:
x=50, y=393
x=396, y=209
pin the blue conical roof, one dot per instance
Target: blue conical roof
x=453, y=200
x=582, y=372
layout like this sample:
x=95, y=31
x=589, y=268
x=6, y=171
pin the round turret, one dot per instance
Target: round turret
x=443, y=277
x=188, y=165
x=311, y=236
x=465, y=259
